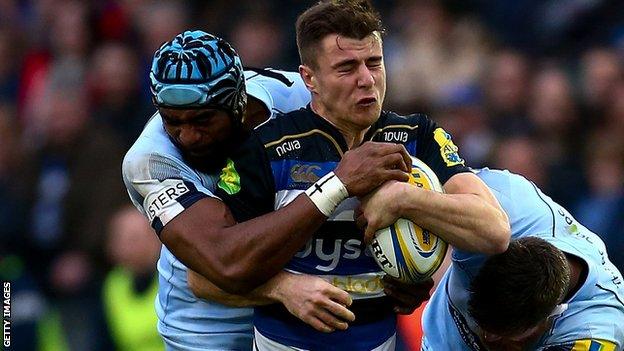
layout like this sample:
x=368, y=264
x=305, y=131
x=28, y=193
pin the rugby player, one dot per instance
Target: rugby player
x=171, y=173
x=553, y=289
x=342, y=65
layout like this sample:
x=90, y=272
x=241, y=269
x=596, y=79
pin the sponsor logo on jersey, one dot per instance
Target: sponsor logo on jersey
x=229, y=180
x=305, y=173
x=172, y=190
x=294, y=174
x=358, y=284
x=448, y=150
x=395, y=137
x=330, y=256
x=287, y=146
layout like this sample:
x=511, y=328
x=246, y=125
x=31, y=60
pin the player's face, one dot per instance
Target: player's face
x=200, y=134
x=349, y=83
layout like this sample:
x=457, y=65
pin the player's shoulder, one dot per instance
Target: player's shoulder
x=396, y=120
x=286, y=124
x=395, y=128
x=497, y=178
x=521, y=199
x=280, y=91
x=271, y=75
x=152, y=151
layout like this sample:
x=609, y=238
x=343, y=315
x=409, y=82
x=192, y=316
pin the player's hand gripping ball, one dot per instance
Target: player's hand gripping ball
x=404, y=250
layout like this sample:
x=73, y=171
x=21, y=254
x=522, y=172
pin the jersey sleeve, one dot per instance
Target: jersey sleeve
x=279, y=91
x=161, y=187
x=436, y=148
x=246, y=183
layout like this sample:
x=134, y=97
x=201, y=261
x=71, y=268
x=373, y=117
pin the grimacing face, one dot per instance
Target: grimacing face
x=348, y=84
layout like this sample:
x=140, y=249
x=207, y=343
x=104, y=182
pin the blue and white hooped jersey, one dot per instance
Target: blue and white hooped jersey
x=281, y=160
x=162, y=185
x=594, y=318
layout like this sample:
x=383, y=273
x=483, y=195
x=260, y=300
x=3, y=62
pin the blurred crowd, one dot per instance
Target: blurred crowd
x=536, y=87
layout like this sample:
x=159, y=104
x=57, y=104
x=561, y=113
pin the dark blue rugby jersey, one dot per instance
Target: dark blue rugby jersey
x=295, y=149
x=285, y=156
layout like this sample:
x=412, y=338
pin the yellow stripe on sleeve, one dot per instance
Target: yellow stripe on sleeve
x=593, y=345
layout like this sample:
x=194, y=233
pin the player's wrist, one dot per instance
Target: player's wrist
x=327, y=193
x=399, y=204
x=281, y=286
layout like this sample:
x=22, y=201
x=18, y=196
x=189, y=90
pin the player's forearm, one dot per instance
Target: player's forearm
x=203, y=288
x=467, y=216
x=251, y=252
x=239, y=257
x=265, y=294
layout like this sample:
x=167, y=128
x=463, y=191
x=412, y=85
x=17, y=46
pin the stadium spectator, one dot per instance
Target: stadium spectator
x=521, y=154
x=507, y=88
x=557, y=126
x=66, y=44
x=74, y=185
x=259, y=40
x=602, y=207
x=436, y=50
x=10, y=55
x=600, y=70
x=463, y=113
x=130, y=287
x=28, y=303
x=116, y=91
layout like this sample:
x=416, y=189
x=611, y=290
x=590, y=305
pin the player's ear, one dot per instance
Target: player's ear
x=307, y=74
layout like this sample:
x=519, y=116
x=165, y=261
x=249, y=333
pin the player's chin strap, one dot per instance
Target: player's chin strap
x=327, y=193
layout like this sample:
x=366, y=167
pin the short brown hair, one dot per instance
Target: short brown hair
x=350, y=18
x=517, y=289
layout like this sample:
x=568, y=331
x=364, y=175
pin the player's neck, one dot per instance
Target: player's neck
x=578, y=274
x=353, y=136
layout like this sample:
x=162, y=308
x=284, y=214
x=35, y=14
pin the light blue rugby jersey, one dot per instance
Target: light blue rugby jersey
x=595, y=312
x=161, y=185
x=280, y=91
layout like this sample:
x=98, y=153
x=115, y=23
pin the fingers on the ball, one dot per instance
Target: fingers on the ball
x=361, y=222
x=369, y=234
x=396, y=174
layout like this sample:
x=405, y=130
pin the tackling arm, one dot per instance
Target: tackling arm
x=309, y=298
x=239, y=257
x=467, y=216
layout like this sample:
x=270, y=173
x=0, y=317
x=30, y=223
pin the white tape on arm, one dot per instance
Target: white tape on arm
x=327, y=193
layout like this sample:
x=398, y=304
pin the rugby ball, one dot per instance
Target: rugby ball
x=404, y=250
